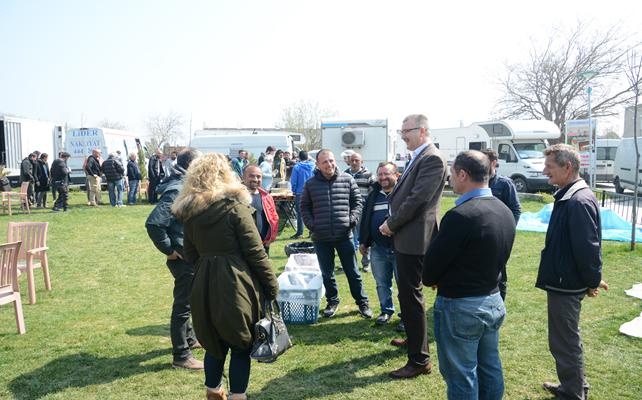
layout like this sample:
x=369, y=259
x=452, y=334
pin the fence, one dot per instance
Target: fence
x=622, y=204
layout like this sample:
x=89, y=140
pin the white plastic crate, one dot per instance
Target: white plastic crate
x=299, y=296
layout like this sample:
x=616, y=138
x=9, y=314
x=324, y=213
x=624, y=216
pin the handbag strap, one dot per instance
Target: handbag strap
x=271, y=307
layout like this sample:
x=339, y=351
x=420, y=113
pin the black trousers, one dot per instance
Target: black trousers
x=63, y=194
x=413, y=312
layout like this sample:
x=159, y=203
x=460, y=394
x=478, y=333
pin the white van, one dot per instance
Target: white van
x=80, y=142
x=229, y=143
x=624, y=166
x=605, y=151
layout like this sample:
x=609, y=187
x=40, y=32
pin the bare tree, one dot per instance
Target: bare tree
x=164, y=129
x=552, y=83
x=107, y=123
x=634, y=76
x=305, y=117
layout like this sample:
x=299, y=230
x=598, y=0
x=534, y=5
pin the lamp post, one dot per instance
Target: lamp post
x=588, y=75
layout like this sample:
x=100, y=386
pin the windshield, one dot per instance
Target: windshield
x=530, y=150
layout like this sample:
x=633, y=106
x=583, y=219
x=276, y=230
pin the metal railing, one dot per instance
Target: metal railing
x=622, y=204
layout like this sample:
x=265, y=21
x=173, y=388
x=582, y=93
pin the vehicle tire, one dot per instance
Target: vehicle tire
x=520, y=184
x=618, y=188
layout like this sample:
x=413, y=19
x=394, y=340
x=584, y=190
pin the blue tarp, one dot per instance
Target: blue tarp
x=614, y=227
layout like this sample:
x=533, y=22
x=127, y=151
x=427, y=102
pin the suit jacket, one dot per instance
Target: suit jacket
x=414, y=202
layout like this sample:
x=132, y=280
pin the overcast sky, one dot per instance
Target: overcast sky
x=239, y=63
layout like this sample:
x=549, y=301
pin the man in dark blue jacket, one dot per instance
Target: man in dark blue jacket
x=504, y=189
x=570, y=267
x=166, y=233
x=331, y=207
x=133, y=178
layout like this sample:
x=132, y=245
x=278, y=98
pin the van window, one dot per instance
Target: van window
x=606, y=153
x=477, y=146
x=530, y=150
x=506, y=153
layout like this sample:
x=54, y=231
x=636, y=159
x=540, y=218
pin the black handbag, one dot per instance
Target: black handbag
x=271, y=336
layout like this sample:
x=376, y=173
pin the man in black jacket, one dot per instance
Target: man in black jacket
x=331, y=207
x=570, y=267
x=156, y=173
x=60, y=181
x=27, y=174
x=464, y=262
x=133, y=178
x=114, y=173
x=94, y=171
x=166, y=232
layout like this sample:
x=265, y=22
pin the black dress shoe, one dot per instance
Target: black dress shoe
x=411, y=371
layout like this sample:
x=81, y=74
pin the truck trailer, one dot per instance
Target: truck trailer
x=19, y=137
x=371, y=138
x=519, y=145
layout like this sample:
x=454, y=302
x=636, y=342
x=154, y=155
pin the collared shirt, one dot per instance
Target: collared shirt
x=481, y=192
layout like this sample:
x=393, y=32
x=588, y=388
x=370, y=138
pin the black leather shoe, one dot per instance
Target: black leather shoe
x=411, y=371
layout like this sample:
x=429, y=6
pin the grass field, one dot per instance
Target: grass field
x=103, y=332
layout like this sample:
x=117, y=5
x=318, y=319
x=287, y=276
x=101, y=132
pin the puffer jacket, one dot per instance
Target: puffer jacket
x=571, y=260
x=113, y=169
x=331, y=207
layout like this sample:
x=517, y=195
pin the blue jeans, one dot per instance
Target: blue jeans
x=467, y=336
x=133, y=188
x=384, y=266
x=115, y=189
x=348, y=258
x=299, y=218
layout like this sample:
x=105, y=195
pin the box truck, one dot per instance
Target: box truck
x=20, y=136
x=79, y=143
x=605, y=151
x=371, y=138
x=230, y=141
x=519, y=145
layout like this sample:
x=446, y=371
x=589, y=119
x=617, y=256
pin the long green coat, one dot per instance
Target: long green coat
x=232, y=275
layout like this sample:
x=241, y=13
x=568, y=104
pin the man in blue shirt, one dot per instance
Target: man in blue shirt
x=464, y=263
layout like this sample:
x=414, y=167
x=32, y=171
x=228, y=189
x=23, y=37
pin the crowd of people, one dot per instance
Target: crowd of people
x=218, y=220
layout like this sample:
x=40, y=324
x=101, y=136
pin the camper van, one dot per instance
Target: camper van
x=230, y=141
x=624, y=165
x=519, y=145
x=369, y=137
x=80, y=142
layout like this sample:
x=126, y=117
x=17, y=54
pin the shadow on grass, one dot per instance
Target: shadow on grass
x=333, y=330
x=327, y=380
x=80, y=370
x=150, y=330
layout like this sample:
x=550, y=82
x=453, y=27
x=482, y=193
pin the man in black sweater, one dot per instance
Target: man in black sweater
x=464, y=262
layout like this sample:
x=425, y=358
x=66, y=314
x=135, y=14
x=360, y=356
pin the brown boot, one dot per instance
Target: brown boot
x=237, y=396
x=215, y=394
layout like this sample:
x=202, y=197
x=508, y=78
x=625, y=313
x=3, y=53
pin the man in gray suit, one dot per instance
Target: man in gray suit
x=414, y=207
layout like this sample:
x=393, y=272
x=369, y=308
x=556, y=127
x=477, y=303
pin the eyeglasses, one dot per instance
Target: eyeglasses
x=404, y=131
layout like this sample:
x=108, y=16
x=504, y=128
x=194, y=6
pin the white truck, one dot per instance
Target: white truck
x=20, y=136
x=80, y=142
x=229, y=141
x=371, y=138
x=519, y=145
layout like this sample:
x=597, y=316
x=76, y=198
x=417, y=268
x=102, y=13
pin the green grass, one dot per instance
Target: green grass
x=103, y=332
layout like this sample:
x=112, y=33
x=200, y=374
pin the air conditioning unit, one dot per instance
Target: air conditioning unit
x=353, y=138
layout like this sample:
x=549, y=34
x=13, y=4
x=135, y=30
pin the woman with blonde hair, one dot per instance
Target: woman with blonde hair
x=233, y=275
